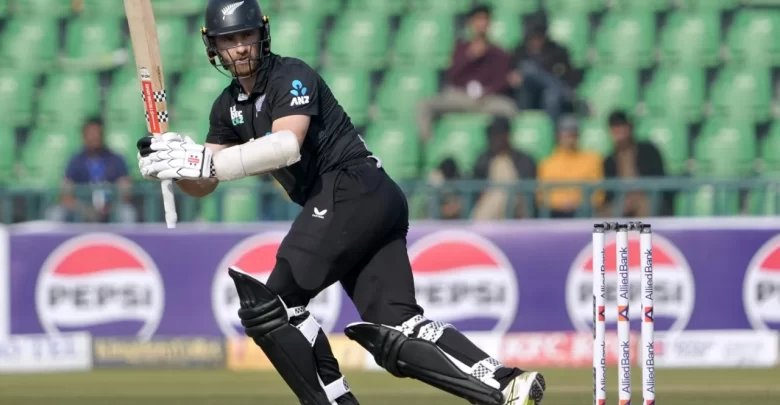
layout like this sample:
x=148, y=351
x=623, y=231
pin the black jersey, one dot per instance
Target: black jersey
x=289, y=87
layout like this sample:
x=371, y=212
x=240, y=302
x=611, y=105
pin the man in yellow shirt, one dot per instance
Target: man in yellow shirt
x=568, y=163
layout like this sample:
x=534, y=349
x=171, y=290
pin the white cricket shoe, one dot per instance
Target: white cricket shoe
x=525, y=389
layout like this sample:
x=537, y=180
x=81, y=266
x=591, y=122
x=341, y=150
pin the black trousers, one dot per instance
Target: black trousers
x=352, y=230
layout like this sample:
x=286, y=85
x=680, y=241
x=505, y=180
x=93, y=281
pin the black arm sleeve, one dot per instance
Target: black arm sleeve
x=295, y=92
x=220, y=131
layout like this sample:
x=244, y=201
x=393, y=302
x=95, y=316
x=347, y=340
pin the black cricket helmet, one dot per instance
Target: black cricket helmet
x=224, y=17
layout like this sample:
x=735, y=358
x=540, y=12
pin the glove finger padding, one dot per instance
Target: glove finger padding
x=143, y=163
x=144, y=145
x=262, y=319
x=171, y=137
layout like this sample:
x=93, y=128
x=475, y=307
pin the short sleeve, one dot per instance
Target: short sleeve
x=296, y=92
x=219, y=132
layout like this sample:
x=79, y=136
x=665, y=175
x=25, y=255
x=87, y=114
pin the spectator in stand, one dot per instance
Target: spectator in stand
x=450, y=203
x=568, y=163
x=542, y=76
x=632, y=159
x=100, y=173
x=503, y=164
x=476, y=81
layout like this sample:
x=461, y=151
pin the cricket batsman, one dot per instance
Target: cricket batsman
x=279, y=116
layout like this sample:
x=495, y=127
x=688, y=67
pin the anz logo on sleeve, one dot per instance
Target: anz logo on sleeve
x=299, y=94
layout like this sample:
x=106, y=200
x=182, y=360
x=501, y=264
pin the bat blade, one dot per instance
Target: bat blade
x=146, y=49
x=148, y=63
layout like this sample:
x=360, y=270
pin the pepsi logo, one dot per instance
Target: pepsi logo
x=101, y=283
x=256, y=255
x=464, y=279
x=761, y=288
x=673, y=286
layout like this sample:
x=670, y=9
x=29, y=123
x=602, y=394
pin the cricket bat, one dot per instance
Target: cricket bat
x=146, y=47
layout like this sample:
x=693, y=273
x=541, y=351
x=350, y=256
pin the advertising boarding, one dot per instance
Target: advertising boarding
x=149, y=282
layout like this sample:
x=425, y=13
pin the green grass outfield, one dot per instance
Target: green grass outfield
x=200, y=387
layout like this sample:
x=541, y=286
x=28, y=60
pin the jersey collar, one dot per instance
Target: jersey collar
x=259, y=87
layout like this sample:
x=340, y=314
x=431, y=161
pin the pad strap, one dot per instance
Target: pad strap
x=484, y=371
x=309, y=329
x=295, y=311
x=430, y=330
x=336, y=389
x=408, y=327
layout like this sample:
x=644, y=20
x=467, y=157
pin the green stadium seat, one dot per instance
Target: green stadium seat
x=506, y=30
x=576, y=6
x=516, y=7
x=403, y=89
x=67, y=99
x=677, y=93
x=196, y=52
x=4, y=7
x=29, y=43
x=295, y=36
x=572, y=30
x=769, y=147
x=17, y=89
x=652, y=5
x=359, y=39
x=195, y=129
x=397, y=144
x=752, y=38
x=123, y=104
x=725, y=149
x=164, y=8
x=595, y=136
x=425, y=40
x=93, y=43
x=196, y=92
x=764, y=201
x=717, y=5
x=449, y=7
x=58, y=145
x=761, y=3
x=626, y=39
x=706, y=201
x=460, y=137
x=352, y=87
x=43, y=8
x=742, y=93
x=607, y=89
x=691, y=38
x=298, y=7
x=239, y=202
x=103, y=8
x=7, y=154
x=533, y=133
x=671, y=138
x=384, y=7
x=172, y=34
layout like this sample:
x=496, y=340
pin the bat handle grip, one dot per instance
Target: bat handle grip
x=169, y=203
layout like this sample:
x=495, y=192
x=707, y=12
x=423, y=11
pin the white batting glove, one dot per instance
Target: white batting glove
x=176, y=157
